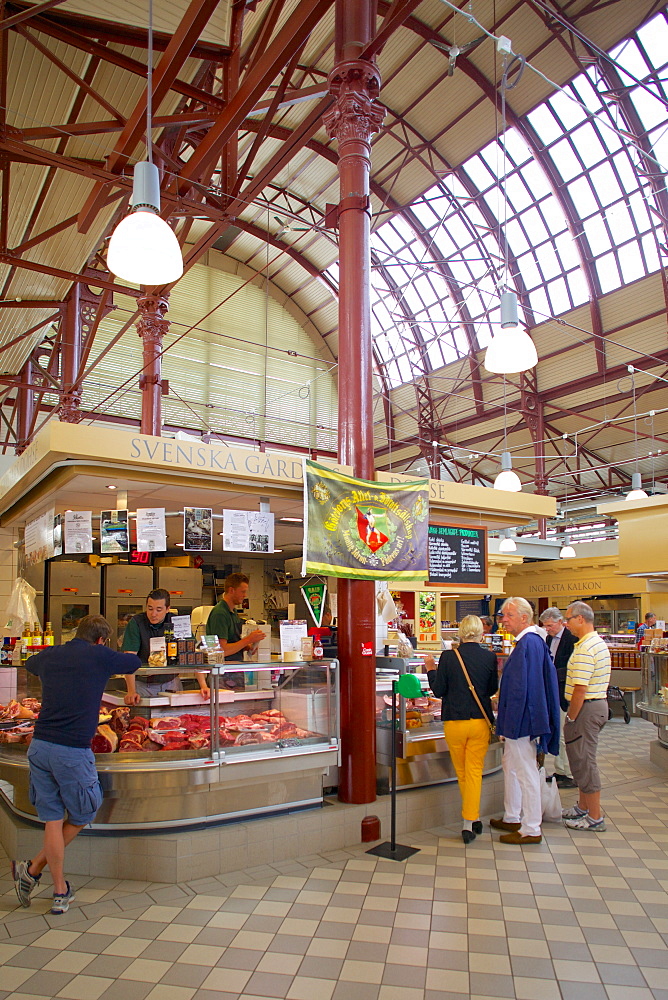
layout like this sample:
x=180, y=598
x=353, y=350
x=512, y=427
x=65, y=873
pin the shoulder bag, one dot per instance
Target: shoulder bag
x=492, y=728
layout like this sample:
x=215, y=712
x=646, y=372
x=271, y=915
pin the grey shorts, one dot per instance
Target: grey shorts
x=63, y=780
x=581, y=739
x=145, y=690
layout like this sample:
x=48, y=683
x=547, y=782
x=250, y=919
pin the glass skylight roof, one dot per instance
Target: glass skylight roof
x=582, y=215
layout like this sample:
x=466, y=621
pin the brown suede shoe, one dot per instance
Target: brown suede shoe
x=500, y=824
x=517, y=838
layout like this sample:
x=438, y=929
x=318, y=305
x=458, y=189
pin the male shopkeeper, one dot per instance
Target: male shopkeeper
x=226, y=623
x=151, y=624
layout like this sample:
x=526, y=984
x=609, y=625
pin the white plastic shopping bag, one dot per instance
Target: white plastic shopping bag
x=550, y=799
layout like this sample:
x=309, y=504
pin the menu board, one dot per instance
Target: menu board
x=457, y=556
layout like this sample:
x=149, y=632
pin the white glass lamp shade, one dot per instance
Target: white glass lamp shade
x=507, y=543
x=507, y=479
x=636, y=492
x=144, y=250
x=512, y=350
x=567, y=550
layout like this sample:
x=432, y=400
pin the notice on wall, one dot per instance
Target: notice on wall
x=151, y=531
x=114, y=531
x=78, y=531
x=182, y=626
x=457, y=556
x=248, y=531
x=58, y=535
x=292, y=633
x=38, y=538
x=197, y=529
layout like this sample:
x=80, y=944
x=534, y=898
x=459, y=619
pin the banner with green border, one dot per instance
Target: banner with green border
x=361, y=530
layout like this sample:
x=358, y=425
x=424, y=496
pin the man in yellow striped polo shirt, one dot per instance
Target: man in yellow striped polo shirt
x=586, y=691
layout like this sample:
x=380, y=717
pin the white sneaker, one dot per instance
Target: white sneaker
x=573, y=812
x=586, y=823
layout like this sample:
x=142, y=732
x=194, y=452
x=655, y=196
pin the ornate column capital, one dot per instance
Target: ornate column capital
x=151, y=325
x=356, y=115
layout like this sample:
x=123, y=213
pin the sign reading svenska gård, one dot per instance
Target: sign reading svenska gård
x=361, y=530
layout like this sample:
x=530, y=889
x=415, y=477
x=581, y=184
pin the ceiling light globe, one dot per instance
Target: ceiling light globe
x=508, y=481
x=567, y=551
x=507, y=545
x=144, y=250
x=636, y=492
x=511, y=351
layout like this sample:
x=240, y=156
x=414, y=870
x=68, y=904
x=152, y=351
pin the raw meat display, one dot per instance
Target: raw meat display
x=104, y=741
x=20, y=710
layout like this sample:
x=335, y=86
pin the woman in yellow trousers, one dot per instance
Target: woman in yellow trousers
x=466, y=726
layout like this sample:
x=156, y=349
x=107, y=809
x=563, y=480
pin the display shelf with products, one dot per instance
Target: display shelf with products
x=653, y=704
x=246, y=753
x=422, y=751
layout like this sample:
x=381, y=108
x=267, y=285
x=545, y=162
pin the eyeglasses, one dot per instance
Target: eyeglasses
x=571, y=617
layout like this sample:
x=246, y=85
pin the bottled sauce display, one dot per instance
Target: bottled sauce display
x=36, y=635
x=48, y=635
x=26, y=643
x=172, y=647
x=317, y=649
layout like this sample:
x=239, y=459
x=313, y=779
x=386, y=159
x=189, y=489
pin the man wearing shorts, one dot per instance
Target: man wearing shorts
x=587, y=679
x=64, y=786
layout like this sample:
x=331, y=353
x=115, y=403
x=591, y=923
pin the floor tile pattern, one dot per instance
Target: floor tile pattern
x=579, y=917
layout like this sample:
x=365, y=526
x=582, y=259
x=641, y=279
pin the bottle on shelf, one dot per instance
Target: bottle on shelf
x=317, y=648
x=172, y=647
x=37, y=635
x=48, y=635
x=26, y=643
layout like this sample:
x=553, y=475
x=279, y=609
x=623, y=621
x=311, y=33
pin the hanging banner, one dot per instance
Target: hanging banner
x=78, y=531
x=248, y=531
x=362, y=530
x=38, y=539
x=314, y=595
x=151, y=530
x=197, y=529
x=114, y=532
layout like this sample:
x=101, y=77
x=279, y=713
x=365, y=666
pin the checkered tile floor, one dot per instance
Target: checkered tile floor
x=580, y=917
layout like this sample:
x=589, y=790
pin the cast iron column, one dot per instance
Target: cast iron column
x=25, y=408
x=355, y=83
x=70, y=356
x=152, y=326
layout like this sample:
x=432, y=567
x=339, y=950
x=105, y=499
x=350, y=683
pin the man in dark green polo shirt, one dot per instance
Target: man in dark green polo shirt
x=226, y=623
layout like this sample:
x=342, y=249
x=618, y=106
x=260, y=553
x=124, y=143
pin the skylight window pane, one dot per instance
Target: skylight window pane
x=611, y=139
x=608, y=274
x=492, y=155
x=651, y=253
x=424, y=213
x=605, y=183
x=478, y=172
x=553, y=214
x=536, y=180
x=597, y=235
x=568, y=251
x=577, y=287
x=558, y=295
x=516, y=238
x=628, y=57
x=660, y=150
x=539, y=304
x=651, y=110
x=545, y=124
x=548, y=261
x=587, y=143
x=631, y=262
x=654, y=39
x=565, y=160
x=517, y=193
x=516, y=148
x=619, y=222
x=534, y=226
x=528, y=269
x=627, y=175
x=567, y=111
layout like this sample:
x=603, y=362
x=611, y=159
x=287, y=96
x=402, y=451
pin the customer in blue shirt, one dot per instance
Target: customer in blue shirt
x=64, y=786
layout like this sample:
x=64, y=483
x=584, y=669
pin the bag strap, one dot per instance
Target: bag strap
x=471, y=688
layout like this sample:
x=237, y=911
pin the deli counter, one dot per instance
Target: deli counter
x=653, y=704
x=262, y=744
x=422, y=751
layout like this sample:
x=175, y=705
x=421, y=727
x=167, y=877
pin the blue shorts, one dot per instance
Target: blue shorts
x=63, y=780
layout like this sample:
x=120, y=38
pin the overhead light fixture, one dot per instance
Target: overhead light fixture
x=143, y=248
x=511, y=350
x=567, y=551
x=507, y=479
x=507, y=542
x=636, y=492
x=110, y=487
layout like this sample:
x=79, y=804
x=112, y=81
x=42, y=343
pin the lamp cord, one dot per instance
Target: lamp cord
x=149, y=86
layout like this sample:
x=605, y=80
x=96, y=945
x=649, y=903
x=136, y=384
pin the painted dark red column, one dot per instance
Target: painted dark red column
x=25, y=409
x=152, y=327
x=355, y=116
x=70, y=356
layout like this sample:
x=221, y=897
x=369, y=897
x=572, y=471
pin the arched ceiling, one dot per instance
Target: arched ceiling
x=563, y=200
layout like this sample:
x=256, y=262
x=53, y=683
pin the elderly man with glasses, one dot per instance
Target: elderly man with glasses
x=560, y=643
x=528, y=721
x=587, y=680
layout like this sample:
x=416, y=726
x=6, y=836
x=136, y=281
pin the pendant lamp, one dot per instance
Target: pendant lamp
x=636, y=492
x=507, y=479
x=507, y=542
x=143, y=248
x=511, y=350
x=567, y=550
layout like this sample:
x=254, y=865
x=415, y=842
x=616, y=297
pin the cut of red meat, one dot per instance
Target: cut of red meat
x=105, y=740
x=199, y=742
x=120, y=720
x=166, y=722
x=180, y=744
x=150, y=745
x=138, y=722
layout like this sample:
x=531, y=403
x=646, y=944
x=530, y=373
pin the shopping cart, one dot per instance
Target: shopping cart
x=616, y=694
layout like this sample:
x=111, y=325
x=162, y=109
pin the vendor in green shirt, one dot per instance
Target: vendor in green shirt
x=139, y=631
x=224, y=622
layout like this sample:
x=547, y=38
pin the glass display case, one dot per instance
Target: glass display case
x=422, y=751
x=653, y=704
x=242, y=753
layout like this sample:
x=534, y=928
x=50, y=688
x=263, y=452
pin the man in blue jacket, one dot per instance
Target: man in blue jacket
x=528, y=722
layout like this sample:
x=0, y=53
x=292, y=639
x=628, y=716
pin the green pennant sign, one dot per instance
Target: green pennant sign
x=314, y=595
